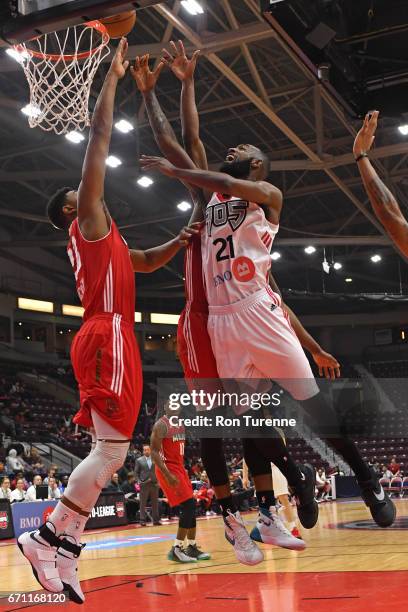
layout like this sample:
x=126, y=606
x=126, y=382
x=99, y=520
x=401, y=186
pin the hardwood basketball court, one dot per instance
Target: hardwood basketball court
x=349, y=565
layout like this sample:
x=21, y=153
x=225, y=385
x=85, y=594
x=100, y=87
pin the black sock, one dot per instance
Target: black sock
x=227, y=503
x=266, y=499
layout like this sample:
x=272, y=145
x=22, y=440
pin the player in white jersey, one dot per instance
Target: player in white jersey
x=250, y=334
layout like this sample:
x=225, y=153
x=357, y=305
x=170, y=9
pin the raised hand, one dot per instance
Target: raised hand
x=119, y=63
x=157, y=164
x=145, y=79
x=328, y=365
x=365, y=137
x=178, y=61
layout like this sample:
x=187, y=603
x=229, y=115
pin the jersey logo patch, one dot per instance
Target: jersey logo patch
x=232, y=212
x=243, y=269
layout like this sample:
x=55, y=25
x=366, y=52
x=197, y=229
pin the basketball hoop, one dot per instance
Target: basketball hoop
x=60, y=68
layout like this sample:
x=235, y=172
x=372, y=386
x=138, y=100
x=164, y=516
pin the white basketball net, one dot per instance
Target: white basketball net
x=60, y=68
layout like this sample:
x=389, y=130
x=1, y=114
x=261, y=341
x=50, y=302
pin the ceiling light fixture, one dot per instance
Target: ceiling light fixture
x=113, y=161
x=310, y=249
x=184, y=206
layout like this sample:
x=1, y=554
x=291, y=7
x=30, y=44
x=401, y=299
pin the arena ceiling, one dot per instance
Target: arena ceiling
x=252, y=86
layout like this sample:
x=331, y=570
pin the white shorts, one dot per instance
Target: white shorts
x=253, y=339
x=279, y=482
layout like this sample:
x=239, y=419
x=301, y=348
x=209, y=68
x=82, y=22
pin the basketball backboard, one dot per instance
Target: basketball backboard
x=36, y=17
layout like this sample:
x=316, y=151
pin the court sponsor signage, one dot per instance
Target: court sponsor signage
x=28, y=516
x=6, y=523
x=109, y=511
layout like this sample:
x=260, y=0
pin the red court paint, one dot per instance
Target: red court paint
x=246, y=592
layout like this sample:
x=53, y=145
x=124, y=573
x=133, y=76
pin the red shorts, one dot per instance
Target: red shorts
x=106, y=362
x=194, y=345
x=183, y=491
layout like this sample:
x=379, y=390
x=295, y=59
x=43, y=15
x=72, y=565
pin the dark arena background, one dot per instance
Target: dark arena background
x=294, y=78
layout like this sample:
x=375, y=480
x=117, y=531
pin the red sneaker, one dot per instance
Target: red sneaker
x=296, y=533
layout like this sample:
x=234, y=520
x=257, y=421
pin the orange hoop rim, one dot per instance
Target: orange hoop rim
x=55, y=57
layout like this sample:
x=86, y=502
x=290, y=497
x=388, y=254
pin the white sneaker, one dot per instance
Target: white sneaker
x=270, y=529
x=246, y=550
x=67, y=565
x=40, y=548
x=180, y=555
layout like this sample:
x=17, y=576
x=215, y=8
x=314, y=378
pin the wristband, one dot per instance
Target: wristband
x=360, y=157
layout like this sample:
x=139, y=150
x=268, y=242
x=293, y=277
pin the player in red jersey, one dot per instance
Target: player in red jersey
x=167, y=443
x=104, y=353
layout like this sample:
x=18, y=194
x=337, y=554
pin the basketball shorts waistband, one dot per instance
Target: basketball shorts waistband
x=247, y=302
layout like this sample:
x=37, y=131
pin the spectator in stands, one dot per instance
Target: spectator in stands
x=5, y=491
x=2, y=470
x=63, y=482
x=14, y=462
x=53, y=490
x=394, y=466
x=7, y=423
x=31, y=491
x=51, y=473
x=114, y=484
x=386, y=472
x=18, y=476
x=34, y=460
x=19, y=494
x=323, y=485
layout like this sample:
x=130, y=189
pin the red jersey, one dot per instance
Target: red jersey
x=172, y=450
x=193, y=274
x=104, y=274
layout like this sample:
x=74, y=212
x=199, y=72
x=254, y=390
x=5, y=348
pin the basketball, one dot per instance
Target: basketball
x=120, y=25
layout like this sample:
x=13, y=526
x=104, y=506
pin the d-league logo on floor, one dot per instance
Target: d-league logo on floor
x=400, y=523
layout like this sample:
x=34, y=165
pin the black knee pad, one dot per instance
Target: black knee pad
x=213, y=458
x=187, y=515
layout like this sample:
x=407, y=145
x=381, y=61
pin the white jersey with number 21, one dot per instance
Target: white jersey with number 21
x=236, y=249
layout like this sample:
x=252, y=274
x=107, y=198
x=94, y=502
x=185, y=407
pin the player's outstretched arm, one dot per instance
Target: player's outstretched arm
x=158, y=434
x=157, y=257
x=92, y=216
x=184, y=69
x=328, y=365
x=164, y=135
x=259, y=192
x=382, y=200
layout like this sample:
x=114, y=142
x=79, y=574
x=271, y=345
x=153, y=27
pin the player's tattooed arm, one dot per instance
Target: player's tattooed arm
x=260, y=192
x=184, y=69
x=93, y=219
x=163, y=132
x=382, y=200
x=159, y=432
x=157, y=257
x=164, y=135
x=328, y=365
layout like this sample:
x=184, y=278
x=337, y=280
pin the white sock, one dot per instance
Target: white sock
x=178, y=543
x=76, y=528
x=191, y=542
x=291, y=525
x=61, y=517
